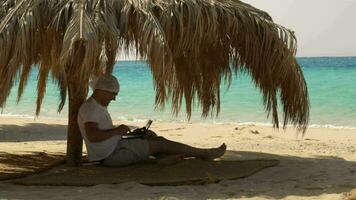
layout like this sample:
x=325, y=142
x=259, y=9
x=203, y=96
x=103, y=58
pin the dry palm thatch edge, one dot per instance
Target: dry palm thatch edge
x=189, y=45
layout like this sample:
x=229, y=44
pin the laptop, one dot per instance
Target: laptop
x=138, y=133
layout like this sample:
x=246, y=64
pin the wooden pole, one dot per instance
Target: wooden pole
x=77, y=93
x=74, y=139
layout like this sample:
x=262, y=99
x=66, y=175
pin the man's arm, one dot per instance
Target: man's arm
x=94, y=134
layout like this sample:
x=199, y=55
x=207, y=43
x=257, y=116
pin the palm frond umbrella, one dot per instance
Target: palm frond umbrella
x=190, y=46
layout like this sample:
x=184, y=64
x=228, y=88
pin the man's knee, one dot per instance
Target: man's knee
x=156, y=144
x=156, y=139
x=151, y=134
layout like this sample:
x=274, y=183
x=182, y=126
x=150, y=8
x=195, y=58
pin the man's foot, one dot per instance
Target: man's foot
x=213, y=153
x=170, y=160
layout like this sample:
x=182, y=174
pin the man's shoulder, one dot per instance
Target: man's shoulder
x=88, y=105
x=89, y=111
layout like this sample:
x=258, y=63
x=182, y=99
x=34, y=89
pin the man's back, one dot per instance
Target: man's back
x=92, y=111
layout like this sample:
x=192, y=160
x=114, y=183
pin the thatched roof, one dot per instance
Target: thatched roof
x=189, y=45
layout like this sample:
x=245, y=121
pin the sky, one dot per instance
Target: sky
x=322, y=27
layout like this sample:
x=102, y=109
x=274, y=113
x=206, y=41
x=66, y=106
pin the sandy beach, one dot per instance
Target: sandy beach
x=320, y=165
x=230, y=67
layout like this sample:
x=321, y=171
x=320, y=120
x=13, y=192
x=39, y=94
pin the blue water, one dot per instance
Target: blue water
x=331, y=83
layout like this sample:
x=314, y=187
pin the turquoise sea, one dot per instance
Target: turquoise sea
x=331, y=82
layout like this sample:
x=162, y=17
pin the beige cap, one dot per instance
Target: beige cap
x=106, y=82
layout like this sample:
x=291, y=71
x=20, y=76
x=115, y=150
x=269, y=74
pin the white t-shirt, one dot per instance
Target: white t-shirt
x=92, y=111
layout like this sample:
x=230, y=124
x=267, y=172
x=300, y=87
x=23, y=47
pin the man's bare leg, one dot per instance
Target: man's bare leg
x=170, y=159
x=162, y=145
x=161, y=157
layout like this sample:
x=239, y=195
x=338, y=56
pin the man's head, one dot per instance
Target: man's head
x=105, y=88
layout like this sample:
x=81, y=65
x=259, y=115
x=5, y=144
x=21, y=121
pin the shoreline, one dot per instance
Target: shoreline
x=45, y=118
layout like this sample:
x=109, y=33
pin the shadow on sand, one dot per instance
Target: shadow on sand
x=32, y=132
x=294, y=176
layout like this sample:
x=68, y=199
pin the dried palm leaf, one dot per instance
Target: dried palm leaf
x=190, y=45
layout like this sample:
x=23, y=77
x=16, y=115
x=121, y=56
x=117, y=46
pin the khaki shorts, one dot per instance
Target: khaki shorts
x=128, y=151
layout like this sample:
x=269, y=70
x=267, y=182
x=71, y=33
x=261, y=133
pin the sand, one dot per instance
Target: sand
x=320, y=165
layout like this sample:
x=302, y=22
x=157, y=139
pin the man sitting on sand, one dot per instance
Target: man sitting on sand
x=104, y=142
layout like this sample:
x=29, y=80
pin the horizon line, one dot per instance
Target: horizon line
x=353, y=56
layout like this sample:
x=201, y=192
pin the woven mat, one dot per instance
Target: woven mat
x=20, y=165
x=188, y=172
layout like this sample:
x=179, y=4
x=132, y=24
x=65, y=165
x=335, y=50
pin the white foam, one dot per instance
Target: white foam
x=17, y=115
x=309, y=126
x=331, y=126
x=30, y=116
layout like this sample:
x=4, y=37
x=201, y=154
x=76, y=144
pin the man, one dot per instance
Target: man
x=104, y=142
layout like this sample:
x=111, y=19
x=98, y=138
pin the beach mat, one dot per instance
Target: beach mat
x=20, y=165
x=351, y=195
x=188, y=172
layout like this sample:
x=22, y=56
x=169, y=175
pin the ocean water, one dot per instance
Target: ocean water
x=331, y=83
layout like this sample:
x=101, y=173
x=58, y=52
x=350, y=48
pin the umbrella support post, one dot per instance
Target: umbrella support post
x=74, y=138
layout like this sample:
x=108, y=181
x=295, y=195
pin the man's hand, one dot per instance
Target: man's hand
x=122, y=129
x=94, y=134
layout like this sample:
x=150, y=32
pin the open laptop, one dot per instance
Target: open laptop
x=138, y=133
